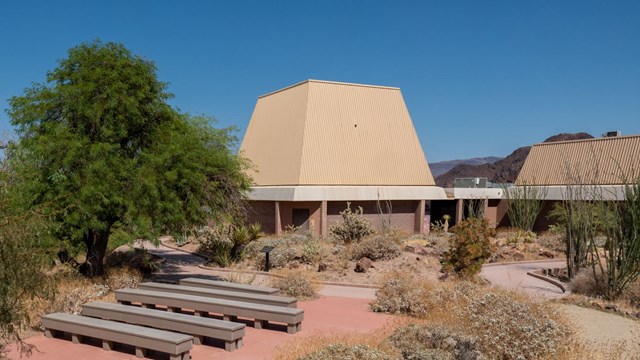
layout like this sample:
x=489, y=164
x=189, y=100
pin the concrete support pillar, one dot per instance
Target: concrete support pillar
x=278, y=219
x=485, y=209
x=419, y=218
x=459, y=210
x=324, y=225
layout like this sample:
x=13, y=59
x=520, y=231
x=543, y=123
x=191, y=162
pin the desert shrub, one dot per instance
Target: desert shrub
x=632, y=293
x=348, y=351
x=585, y=283
x=122, y=277
x=240, y=278
x=511, y=326
x=284, y=250
x=71, y=297
x=353, y=227
x=225, y=244
x=313, y=251
x=139, y=259
x=425, y=341
x=470, y=247
x=377, y=247
x=402, y=294
x=215, y=243
x=296, y=283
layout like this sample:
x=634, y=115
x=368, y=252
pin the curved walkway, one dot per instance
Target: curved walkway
x=514, y=276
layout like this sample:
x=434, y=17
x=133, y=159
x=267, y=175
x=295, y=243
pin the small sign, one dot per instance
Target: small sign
x=267, y=249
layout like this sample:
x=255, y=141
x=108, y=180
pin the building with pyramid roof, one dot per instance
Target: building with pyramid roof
x=317, y=145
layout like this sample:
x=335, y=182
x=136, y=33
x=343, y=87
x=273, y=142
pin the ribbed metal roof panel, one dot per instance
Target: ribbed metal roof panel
x=351, y=135
x=601, y=161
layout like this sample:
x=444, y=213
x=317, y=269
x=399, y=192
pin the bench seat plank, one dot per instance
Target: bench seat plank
x=225, y=285
x=142, y=338
x=231, y=333
x=222, y=294
x=228, y=308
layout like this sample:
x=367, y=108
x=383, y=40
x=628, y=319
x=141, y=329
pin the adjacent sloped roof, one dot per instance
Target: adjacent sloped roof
x=600, y=161
x=329, y=133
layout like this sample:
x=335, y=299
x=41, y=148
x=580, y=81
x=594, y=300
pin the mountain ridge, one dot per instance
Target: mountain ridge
x=505, y=170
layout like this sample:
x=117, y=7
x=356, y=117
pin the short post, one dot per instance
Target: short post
x=266, y=250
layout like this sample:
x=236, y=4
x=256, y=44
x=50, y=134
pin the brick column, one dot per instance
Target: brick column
x=419, y=218
x=324, y=226
x=278, y=220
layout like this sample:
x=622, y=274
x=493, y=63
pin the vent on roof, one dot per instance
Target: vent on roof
x=612, y=134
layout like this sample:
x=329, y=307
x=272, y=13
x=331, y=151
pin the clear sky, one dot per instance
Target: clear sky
x=479, y=78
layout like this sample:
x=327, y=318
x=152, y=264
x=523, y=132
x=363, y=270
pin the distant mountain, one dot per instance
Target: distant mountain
x=505, y=170
x=441, y=167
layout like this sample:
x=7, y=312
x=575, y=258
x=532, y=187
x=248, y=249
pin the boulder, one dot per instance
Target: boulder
x=546, y=253
x=517, y=255
x=363, y=265
x=322, y=267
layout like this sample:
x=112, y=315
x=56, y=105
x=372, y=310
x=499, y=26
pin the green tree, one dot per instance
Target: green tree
x=22, y=256
x=100, y=146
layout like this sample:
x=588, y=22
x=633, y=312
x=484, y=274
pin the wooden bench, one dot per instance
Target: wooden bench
x=231, y=333
x=110, y=332
x=222, y=294
x=225, y=285
x=229, y=309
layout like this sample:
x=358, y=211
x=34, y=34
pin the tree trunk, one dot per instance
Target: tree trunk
x=96, y=241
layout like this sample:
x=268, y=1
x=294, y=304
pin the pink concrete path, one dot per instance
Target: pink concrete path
x=339, y=308
x=326, y=314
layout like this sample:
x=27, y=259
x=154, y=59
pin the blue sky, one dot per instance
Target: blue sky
x=479, y=77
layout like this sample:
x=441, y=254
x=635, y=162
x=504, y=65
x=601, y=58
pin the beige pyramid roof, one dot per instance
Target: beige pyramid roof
x=599, y=161
x=329, y=133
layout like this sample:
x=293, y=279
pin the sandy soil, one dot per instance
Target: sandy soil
x=601, y=328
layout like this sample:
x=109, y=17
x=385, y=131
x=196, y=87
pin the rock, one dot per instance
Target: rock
x=597, y=305
x=363, y=265
x=613, y=307
x=322, y=267
x=517, y=255
x=410, y=248
x=546, y=253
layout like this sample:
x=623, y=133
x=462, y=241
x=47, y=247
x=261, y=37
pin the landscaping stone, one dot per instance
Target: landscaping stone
x=363, y=265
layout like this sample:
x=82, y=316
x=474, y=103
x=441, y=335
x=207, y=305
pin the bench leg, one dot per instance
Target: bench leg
x=292, y=328
x=149, y=306
x=107, y=345
x=198, y=339
x=173, y=309
x=239, y=343
x=201, y=313
x=141, y=352
x=230, y=345
x=76, y=339
x=229, y=318
x=299, y=327
x=183, y=356
x=261, y=324
x=49, y=333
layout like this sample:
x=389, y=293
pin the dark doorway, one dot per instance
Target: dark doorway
x=300, y=219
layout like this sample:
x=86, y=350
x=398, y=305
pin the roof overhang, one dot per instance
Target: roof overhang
x=582, y=192
x=346, y=193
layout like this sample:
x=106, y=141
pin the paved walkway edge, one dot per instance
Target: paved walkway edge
x=547, y=279
x=521, y=262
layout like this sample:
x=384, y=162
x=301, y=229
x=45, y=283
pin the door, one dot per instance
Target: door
x=300, y=218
